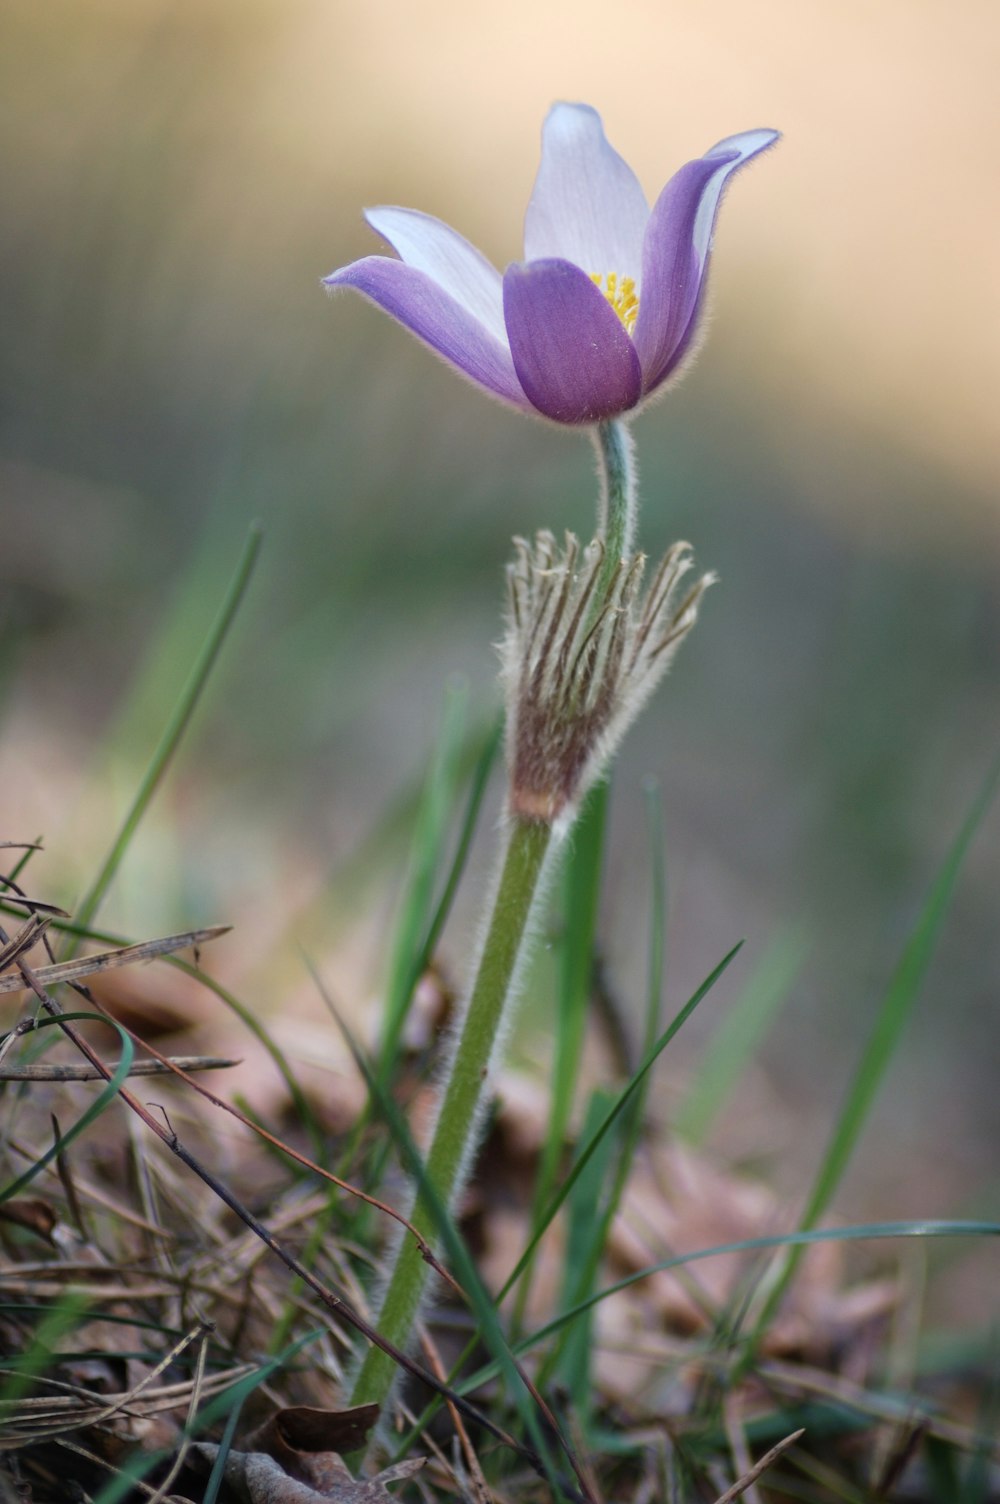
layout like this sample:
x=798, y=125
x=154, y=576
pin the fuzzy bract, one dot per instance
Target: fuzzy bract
x=606, y=303
x=580, y=658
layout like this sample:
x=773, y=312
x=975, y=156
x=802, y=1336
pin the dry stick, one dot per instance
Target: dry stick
x=108, y=960
x=736, y=1436
x=71, y=1072
x=480, y=1490
x=193, y=1403
x=21, y=1028
x=78, y=1451
x=739, y=1488
x=332, y=1301
x=26, y=937
x=793, y=1381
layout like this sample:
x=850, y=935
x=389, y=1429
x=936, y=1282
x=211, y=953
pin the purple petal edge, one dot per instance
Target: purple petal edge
x=435, y=317
x=676, y=253
x=572, y=354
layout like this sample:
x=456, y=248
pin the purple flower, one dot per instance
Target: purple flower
x=605, y=304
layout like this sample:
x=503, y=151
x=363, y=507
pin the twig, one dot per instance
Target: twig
x=107, y=960
x=75, y=1072
x=478, y=1485
x=27, y=936
x=193, y=1403
x=794, y=1381
x=740, y=1487
x=736, y=1436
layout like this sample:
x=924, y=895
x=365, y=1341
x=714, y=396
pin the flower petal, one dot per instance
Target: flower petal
x=434, y=316
x=571, y=352
x=587, y=205
x=676, y=252
x=435, y=248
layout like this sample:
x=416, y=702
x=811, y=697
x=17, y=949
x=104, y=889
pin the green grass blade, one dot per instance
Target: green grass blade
x=218, y=1473
x=613, y=1114
x=482, y=768
x=174, y=730
x=862, y=1232
x=738, y=1036
x=585, y=1237
x=58, y=1320
x=897, y=1005
x=433, y=821
x=657, y=958
x=11, y=877
x=588, y=1238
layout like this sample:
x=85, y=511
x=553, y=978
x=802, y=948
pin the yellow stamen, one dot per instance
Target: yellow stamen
x=621, y=295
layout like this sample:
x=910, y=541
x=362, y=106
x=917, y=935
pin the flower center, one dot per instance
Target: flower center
x=621, y=294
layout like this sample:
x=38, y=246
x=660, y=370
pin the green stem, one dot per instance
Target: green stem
x=454, y=1135
x=619, y=503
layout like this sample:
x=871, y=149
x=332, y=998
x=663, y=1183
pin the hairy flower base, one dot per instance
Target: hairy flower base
x=584, y=649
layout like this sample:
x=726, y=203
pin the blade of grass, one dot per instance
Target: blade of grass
x=569, y=1360
x=174, y=730
x=433, y=821
x=897, y=1005
x=481, y=771
x=612, y=1116
x=357, y=878
x=862, y=1232
x=59, y=1319
x=416, y=935
x=739, y=1035
x=12, y=876
x=589, y=1239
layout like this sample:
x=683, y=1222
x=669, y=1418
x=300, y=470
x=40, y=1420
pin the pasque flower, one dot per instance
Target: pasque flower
x=606, y=303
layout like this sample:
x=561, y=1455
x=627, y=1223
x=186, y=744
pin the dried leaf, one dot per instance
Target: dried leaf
x=30, y=1212
x=303, y=1430
x=256, y=1478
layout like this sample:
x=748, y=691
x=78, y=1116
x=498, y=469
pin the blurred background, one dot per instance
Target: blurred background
x=179, y=176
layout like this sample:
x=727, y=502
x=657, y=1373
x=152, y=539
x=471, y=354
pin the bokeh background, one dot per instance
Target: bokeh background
x=178, y=177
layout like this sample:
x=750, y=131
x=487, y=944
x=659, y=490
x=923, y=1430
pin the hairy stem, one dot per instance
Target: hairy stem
x=528, y=844
x=619, y=504
x=454, y=1136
